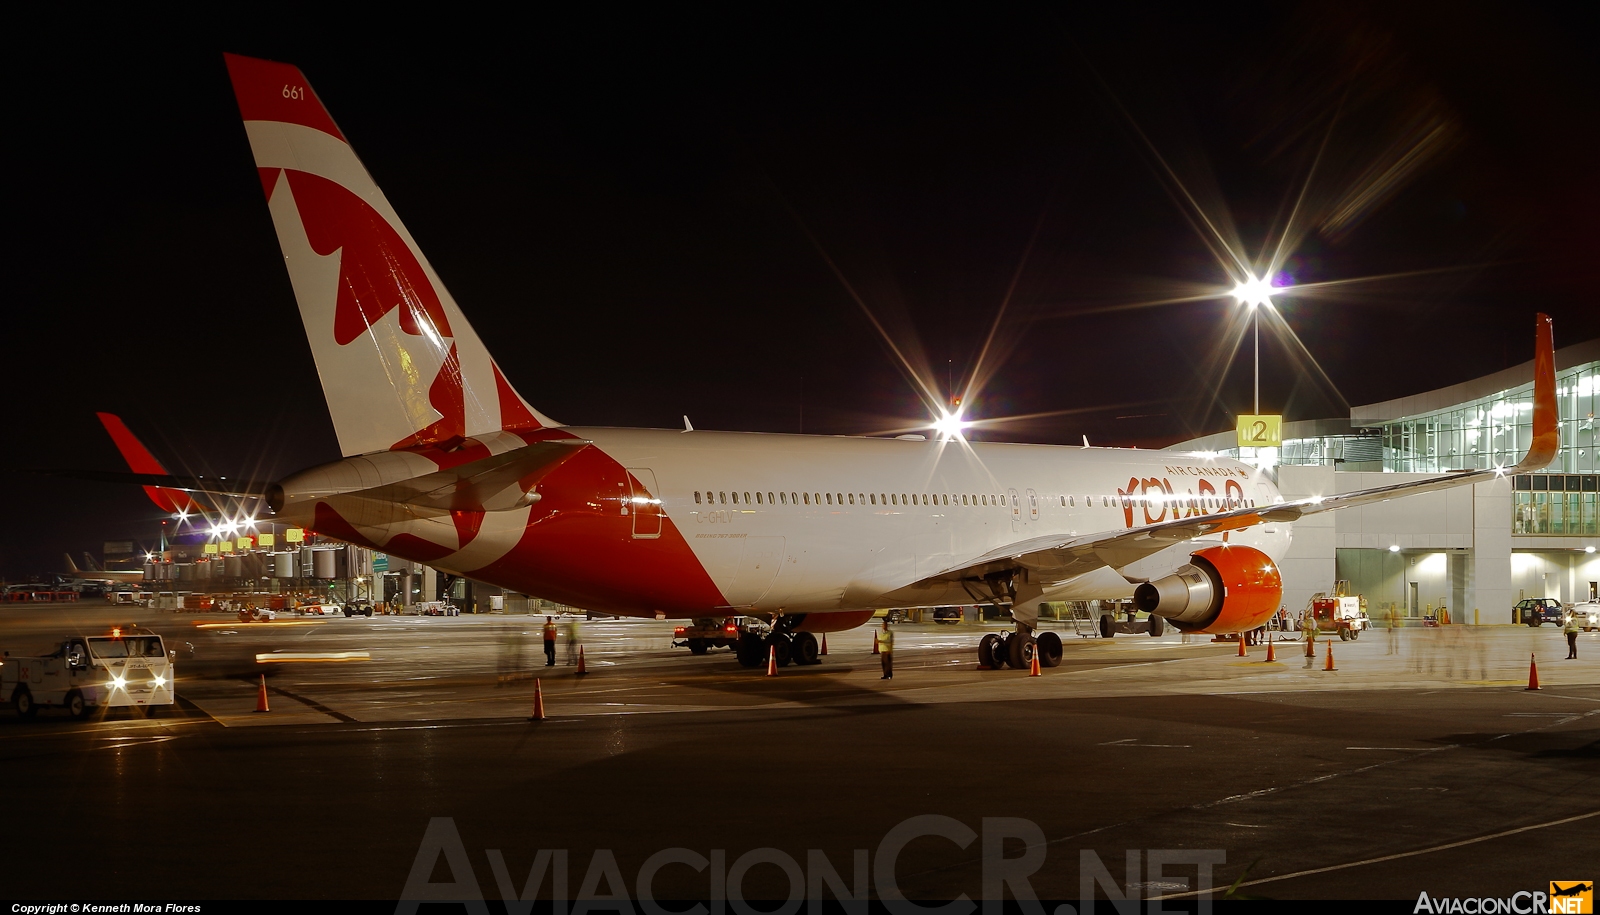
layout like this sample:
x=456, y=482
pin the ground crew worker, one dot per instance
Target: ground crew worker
x=572, y=641
x=886, y=650
x=1572, y=636
x=549, y=641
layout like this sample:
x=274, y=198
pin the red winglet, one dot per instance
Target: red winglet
x=1546, y=427
x=140, y=460
x=271, y=91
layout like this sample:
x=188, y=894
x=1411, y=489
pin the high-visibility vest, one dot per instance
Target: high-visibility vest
x=1572, y=623
x=886, y=641
x=549, y=632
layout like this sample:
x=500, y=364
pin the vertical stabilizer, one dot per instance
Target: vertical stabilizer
x=399, y=364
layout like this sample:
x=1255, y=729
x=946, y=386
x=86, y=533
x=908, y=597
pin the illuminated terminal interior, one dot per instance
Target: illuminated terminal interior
x=1475, y=553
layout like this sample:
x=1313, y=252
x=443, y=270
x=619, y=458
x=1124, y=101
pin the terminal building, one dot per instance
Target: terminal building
x=1476, y=551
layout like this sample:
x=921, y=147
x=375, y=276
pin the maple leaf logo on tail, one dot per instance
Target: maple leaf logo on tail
x=400, y=366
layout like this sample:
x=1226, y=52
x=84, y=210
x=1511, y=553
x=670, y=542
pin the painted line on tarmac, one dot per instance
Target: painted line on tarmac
x=341, y=716
x=1395, y=857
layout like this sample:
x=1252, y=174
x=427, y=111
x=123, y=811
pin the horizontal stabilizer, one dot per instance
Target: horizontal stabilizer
x=497, y=483
x=219, y=486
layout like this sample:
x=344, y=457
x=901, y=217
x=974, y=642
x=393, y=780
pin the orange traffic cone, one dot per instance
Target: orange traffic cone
x=1271, y=654
x=261, y=696
x=1241, y=645
x=824, y=649
x=538, y=702
x=581, y=668
x=1033, y=669
x=874, y=641
x=1328, y=664
x=772, y=661
x=1533, y=673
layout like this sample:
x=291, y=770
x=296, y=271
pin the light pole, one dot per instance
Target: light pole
x=1255, y=293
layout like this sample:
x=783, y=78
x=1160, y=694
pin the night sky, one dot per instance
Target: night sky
x=638, y=213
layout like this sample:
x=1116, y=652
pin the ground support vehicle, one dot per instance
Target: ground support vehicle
x=1343, y=615
x=1536, y=611
x=126, y=667
x=702, y=635
x=359, y=607
x=950, y=615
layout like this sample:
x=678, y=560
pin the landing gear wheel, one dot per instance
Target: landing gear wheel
x=988, y=652
x=76, y=706
x=1002, y=650
x=805, y=649
x=1108, y=626
x=785, y=648
x=1344, y=634
x=1157, y=626
x=697, y=646
x=1048, y=645
x=22, y=700
x=751, y=649
x=1021, y=649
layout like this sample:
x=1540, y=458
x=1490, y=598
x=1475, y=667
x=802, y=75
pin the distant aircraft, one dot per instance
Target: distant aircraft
x=94, y=573
x=446, y=464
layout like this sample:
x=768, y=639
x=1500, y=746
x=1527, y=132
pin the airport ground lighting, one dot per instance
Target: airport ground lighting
x=1255, y=292
x=950, y=425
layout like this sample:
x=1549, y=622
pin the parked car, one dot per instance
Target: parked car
x=1588, y=614
x=1536, y=611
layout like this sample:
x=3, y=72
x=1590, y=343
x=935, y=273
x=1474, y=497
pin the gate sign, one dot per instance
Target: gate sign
x=1264, y=431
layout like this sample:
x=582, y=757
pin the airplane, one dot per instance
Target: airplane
x=95, y=573
x=446, y=464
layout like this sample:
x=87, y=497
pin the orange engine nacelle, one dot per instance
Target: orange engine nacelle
x=1222, y=589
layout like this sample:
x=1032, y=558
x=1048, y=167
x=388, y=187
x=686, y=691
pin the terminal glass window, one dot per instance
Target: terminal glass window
x=1556, y=504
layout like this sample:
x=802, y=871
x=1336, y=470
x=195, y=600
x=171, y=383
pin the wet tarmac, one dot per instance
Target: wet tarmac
x=1420, y=763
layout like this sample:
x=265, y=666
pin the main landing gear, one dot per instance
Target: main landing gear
x=789, y=646
x=1016, y=649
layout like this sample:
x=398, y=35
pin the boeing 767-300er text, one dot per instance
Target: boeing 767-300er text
x=446, y=464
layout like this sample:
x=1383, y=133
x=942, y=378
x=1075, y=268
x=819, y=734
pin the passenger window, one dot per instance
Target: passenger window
x=830, y=498
x=808, y=498
x=769, y=499
x=697, y=497
x=794, y=499
x=852, y=498
x=758, y=498
x=722, y=497
x=747, y=498
x=872, y=498
x=963, y=498
x=782, y=498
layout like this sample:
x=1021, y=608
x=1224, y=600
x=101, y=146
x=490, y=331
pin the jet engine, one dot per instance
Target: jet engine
x=1221, y=589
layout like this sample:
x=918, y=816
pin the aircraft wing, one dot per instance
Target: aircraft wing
x=495, y=483
x=219, y=486
x=1057, y=559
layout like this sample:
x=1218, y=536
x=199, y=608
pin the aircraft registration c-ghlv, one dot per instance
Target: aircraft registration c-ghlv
x=446, y=464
